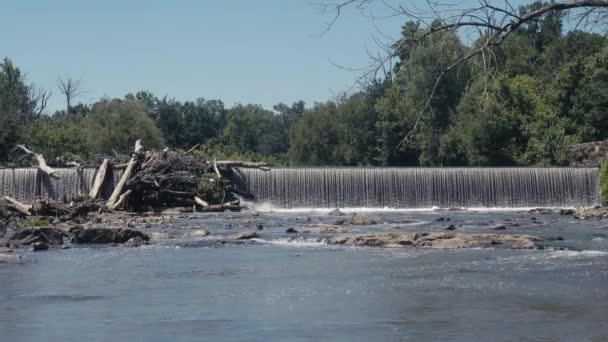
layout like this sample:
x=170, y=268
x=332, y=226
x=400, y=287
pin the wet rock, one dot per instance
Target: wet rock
x=107, y=235
x=325, y=230
x=245, y=236
x=256, y=213
x=450, y=227
x=291, y=231
x=198, y=233
x=523, y=243
x=259, y=226
x=159, y=236
x=39, y=246
x=336, y=212
x=567, y=212
x=135, y=242
x=435, y=240
x=557, y=238
x=28, y=236
x=10, y=259
x=442, y=219
x=500, y=227
x=359, y=220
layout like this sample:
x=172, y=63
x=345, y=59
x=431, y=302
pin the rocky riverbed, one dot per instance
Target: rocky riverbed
x=533, y=229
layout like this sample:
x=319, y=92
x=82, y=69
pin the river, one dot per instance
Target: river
x=293, y=287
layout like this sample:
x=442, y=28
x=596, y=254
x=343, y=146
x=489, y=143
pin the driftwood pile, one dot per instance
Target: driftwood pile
x=150, y=181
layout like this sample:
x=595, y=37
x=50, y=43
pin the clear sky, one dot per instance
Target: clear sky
x=262, y=51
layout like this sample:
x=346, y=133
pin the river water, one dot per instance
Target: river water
x=293, y=287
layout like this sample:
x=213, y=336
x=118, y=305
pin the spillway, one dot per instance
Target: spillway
x=421, y=187
x=27, y=184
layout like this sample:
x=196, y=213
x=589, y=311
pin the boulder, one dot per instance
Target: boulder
x=28, y=236
x=336, y=212
x=325, y=230
x=450, y=227
x=291, y=231
x=500, y=227
x=107, y=235
x=245, y=236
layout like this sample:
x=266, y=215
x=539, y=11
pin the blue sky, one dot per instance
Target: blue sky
x=264, y=51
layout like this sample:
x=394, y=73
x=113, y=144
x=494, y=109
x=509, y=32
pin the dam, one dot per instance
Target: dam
x=357, y=187
x=373, y=187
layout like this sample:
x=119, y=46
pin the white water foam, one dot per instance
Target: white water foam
x=297, y=242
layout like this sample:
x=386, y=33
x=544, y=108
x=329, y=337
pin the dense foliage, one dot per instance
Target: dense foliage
x=548, y=90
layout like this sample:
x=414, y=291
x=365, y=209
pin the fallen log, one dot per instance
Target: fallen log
x=237, y=163
x=121, y=200
x=99, y=178
x=200, y=202
x=20, y=207
x=41, y=162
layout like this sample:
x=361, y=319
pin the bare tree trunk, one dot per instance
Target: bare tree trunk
x=99, y=178
x=125, y=176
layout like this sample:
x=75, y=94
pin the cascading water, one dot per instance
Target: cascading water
x=421, y=187
x=27, y=184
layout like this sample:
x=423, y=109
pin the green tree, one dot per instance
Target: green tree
x=116, y=125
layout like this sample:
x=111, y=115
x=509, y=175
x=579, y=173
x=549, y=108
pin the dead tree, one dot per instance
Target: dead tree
x=71, y=89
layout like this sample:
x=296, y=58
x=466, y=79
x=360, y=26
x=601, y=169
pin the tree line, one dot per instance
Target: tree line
x=546, y=89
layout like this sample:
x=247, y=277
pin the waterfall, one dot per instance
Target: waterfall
x=421, y=187
x=27, y=184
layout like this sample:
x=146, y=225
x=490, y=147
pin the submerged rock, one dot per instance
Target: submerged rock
x=107, y=235
x=325, y=230
x=450, y=227
x=245, y=236
x=500, y=227
x=291, y=231
x=135, y=242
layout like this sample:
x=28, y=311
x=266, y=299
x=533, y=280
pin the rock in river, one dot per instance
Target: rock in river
x=199, y=233
x=39, y=246
x=325, y=230
x=436, y=240
x=107, y=235
x=291, y=231
x=28, y=236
